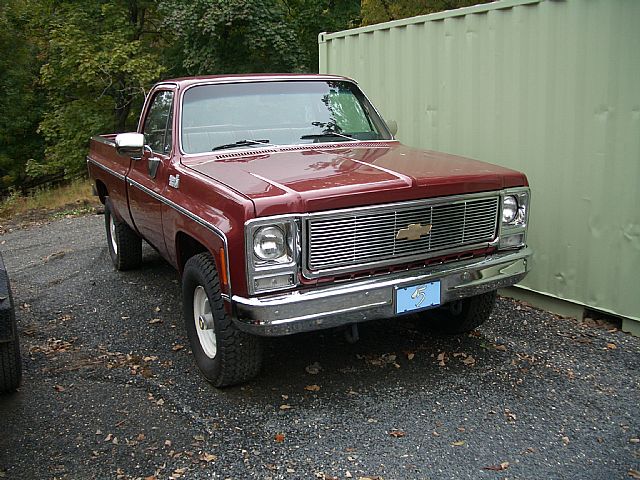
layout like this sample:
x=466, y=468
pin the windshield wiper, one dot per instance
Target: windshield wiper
x=241, y=143
x=315, y=136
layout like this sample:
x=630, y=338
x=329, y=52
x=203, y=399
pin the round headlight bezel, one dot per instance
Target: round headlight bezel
x=509, y=209
x=269, y=243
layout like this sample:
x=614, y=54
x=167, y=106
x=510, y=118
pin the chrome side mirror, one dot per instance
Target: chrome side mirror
x=130, y=144
x=393, y=127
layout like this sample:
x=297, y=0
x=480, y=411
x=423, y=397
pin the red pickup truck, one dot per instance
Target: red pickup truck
x=287, y=205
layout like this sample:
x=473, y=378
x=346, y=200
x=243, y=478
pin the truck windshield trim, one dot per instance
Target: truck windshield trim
x=287, y=112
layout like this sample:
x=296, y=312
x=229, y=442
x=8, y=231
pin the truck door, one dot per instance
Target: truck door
x=148, y=177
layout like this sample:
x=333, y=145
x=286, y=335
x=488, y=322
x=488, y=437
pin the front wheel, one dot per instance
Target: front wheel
x=463, y=315
x=225, y=355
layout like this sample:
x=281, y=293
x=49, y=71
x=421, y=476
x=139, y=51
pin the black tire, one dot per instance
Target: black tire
x=236, y=356
x=10, y=362
x=125, y=246
x=464, y=315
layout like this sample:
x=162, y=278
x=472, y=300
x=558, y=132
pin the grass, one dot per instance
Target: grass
x=74, y=198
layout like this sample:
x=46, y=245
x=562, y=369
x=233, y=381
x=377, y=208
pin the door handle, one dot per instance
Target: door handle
x=154, y=163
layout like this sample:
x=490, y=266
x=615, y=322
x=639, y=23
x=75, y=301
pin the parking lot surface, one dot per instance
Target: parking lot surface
x=110, y=389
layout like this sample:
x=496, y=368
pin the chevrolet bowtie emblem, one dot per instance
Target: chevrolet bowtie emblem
x=413, y=232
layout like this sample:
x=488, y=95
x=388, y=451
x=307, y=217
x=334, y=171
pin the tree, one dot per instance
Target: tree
x=377, y=11
x=233, y=36
x=21, y=99
x=100, y=59
x=311, y=17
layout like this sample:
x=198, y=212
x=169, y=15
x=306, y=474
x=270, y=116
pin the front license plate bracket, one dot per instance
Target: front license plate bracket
x=417, y=297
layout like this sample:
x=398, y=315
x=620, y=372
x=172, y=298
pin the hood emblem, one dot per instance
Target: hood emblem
x=414, y=231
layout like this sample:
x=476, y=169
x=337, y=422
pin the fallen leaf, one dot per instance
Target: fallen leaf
x=160, y=402
x=279, y=437
x=198, y=438
x=397, y=433
x=501, y=348
x=151, y=477
x=459, y=443
x=285, y=406
x=155, y=320
x=441, y=359
x=634, y=474
x=207, y=457
x=469, y=360
x=108, y=438
x=497, y=468
x=312, y=388
x=157, y=309
x=410, y=356
x=634, y=440
x=167, y=443
x=611, y=346
x=565, y=440
x=177, y=347
x=140, y=437
x=59, y=388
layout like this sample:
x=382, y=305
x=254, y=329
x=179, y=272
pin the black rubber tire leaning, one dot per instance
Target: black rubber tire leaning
x=238, y=355
x=125, y=246
x=10, y=362
x=465, y=316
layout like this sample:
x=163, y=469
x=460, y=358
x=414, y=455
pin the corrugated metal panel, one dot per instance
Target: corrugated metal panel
x=551, y=88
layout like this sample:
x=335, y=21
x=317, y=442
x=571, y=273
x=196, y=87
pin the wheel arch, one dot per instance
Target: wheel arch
x=188, y=246
x=101, y=191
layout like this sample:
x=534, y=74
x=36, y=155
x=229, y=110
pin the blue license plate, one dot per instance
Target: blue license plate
x=417, y=297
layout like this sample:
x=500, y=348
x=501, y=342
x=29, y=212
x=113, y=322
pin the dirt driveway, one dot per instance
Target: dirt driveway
x=111, y=391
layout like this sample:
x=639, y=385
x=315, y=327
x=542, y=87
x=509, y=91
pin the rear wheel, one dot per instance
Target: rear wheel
x=125, y=246
x=225, y=355
x=463, y=315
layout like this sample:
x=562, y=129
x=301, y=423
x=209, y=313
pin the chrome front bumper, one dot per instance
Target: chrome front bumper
x=373, y=297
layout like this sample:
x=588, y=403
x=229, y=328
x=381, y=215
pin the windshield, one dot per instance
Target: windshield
x=251, y=115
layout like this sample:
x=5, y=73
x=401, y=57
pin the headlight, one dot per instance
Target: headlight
x=515, y=215
x=269, y=243
x=273, y=253
x=509, y=209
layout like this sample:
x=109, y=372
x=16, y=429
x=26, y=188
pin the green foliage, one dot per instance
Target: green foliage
x=99, y=63
x=233, y=36
x=21, y=101
x=308, y=18
x=377, y=11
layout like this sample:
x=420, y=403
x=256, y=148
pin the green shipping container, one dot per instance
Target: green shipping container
x=551, y=88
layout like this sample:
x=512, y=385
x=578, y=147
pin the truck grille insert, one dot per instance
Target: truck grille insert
x=367, y=236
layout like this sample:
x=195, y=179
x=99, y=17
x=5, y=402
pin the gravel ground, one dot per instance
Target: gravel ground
x=110, y=388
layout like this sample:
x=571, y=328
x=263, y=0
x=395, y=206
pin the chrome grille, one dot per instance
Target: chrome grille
x=368, y=235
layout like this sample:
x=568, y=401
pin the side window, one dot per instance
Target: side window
x=158, y=124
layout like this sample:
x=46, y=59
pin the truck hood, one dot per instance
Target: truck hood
x=312, y=178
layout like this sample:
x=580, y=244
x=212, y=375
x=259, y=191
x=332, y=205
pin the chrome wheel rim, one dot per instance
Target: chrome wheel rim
x=112, y=234
x=203, y=320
